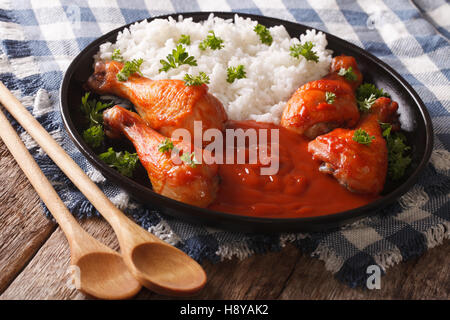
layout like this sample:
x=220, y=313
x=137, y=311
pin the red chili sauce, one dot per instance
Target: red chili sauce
x=299, y=189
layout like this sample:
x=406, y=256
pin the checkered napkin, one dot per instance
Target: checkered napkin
x=40, y=38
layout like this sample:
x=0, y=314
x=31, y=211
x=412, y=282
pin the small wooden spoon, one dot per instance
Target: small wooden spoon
x=155, y=264
x=103, y=273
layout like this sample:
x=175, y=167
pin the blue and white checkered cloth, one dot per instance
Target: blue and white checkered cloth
x=38, y=39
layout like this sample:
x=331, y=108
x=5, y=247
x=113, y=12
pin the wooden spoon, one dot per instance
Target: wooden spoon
x=155, y=264
x=103, y=273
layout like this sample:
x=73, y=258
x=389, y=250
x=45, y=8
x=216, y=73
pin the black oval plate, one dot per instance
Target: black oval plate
x=414, y=118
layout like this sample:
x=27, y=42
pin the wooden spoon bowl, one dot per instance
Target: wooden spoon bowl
x=176, y=274
x=104, y=274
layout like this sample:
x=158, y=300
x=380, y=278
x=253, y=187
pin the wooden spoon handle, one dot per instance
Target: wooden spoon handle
x=38, y=180
x=114, y=216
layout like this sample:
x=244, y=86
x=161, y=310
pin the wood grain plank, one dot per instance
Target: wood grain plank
x=425, y=277
x=46, y=277
x=287, y=274
x=291, y=275
x=23, y=226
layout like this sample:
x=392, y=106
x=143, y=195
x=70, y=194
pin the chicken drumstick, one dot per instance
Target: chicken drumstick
x=165, y=105
x=195, y=184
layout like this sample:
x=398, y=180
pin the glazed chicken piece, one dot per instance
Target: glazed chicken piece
x=308, y=113
x=164, y=105
x=192, y=184
x=359, y=167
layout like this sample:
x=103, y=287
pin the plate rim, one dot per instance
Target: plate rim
x=252, y=224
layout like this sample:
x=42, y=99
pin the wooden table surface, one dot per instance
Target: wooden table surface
x=34, y=257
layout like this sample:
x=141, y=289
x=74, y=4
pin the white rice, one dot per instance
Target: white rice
x=272, y=75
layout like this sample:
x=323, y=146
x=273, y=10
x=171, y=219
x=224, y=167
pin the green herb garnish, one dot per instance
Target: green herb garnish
x=398, y=161
x=123, y=161
x=165, y=146
x=234, y=73
x=185, y=39
x=367, y=94
x=211, y=41
x=117, y=56
x=329, y=97
x=93, y=109
x=366, y=104
x=304, y=50
x=178, y=57
x=362, y=137
x=348, y=74
x=94, y=135
x=263, y=33
x=129, y=68
x=190, y=80
x=367, y=89
x=189, y=159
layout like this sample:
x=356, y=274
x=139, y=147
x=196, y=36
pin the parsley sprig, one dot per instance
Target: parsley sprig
x=166, y=146
x=93, y=109
x=123, y=161
x=129, y=68
x=329, y=97
x=367, y=94
x=304, y=50
x=264, y=34
x=117, y=56
x=398, y=158
x=185, y=39
x=362, y=137
x=348, y=74
x=211, y=41
x=201, y=78
x=366, y=104
x=178, y=57
x=189, y=159
x=94, y=135
x=234, y=73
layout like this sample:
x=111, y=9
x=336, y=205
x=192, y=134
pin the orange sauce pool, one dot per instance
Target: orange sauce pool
x=297, y=190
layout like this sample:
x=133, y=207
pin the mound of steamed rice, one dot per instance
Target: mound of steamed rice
x=272, y=75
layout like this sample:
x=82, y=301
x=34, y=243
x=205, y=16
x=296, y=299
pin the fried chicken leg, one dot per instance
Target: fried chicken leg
x=164, y=105
x=311, y=112
x=359, y=167
x=193, y=184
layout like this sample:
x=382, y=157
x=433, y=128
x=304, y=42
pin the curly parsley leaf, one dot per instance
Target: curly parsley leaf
x=178, y=57
x=117, y=56
x=165, y=146
x=304, y=50
x=329, y=97
x=366, y=104
x=398, y=158
x=348, y=74
x=367, y=89
x=93, y=109
x=211, y=41
x=189, y=159
x=129, y=68
x=367, y=94
x=94, y=135
x=234, y=73
x=190, y=80
x=362, y=137
x=185, y=39
x=123, y=161
x=264, y=34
